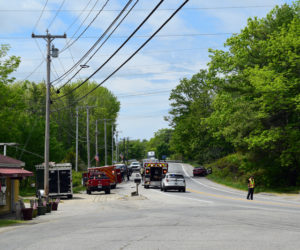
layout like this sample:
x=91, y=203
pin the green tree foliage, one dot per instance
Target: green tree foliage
x=191, y=105
x=247, y=101
x=136, y=149
x=22, y=116
x=160, y=143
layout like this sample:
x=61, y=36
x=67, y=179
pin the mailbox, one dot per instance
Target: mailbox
x=137, y=180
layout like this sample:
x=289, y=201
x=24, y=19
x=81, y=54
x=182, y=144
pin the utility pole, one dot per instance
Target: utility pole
x=76, y=161
x=117, y=147
x=105, y=143
x=88, y=136
x=112, y=144
x=124, y=151
x=96, y=142
x=87, y=131
x=127, y=145
x=49, y=38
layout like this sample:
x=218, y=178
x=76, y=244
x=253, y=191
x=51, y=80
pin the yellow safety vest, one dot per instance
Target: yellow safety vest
x=251, y=184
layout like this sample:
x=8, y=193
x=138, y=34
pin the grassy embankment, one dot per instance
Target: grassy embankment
x=5, y=223
x=231, y=171
x=77, y=186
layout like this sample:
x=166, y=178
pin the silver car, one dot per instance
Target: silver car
x=173, y=181
x=135, y=166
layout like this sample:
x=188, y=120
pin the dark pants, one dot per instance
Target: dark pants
x=250, y=193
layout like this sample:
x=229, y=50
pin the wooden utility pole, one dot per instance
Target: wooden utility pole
x=76, y=161
x=49, y=38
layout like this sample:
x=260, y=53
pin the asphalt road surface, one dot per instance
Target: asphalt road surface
x=207, y=216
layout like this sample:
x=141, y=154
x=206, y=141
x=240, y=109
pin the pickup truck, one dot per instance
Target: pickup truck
x=97, y=181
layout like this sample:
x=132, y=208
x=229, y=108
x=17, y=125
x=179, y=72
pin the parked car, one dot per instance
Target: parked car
x=173, y=181
x=201, y=171
x=135, y=166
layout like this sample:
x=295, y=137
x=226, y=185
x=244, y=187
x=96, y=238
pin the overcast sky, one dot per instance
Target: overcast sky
x=143, y=85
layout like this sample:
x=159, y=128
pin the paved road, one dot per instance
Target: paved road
x=207, y=216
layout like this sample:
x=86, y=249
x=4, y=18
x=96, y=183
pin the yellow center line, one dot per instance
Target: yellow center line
x=244, y=200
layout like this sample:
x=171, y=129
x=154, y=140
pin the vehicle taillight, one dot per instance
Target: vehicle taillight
x=165, y=171
x=147, y=171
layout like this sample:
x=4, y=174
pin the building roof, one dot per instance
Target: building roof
x=7, y=162
x=14, y=172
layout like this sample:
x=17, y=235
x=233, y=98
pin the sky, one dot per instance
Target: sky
x=144, y=84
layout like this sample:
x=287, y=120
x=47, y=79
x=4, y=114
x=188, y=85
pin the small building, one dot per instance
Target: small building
x=11, y=172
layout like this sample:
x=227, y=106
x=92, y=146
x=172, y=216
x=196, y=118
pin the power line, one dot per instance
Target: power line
x=86, y=27
x=35, y=69
x=128, y=59
x=136, y=10
x=94, y=45
x=144, y=36
x=37, y=22
x=147, y=52
x=61, y=5
x=42, y=157
x=116, y=51
x=76, y=18
x=85, y=63
x=82, y=22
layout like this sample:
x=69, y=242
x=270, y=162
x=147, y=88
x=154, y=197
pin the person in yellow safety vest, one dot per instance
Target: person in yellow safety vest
x=251, y=185
x=142, y=172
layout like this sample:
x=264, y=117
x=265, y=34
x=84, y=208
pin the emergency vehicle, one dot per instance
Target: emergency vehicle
x=154, y=173
x=110, y=172
x=97, y=181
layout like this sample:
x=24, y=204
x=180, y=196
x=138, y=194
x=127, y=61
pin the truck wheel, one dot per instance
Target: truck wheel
x=107, y=191
x=146, y=186
x=70, y=196
x=113, y=186
x=183, y=190
x=88, y=191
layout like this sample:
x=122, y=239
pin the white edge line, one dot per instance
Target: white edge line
x=267, y=198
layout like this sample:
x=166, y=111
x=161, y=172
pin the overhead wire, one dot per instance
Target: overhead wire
x=42, y=157
x=77, y=17
x=162, y=9
x=85, y=63
x=142, y=36
x=128, y=59
x=63, y=76
x=56, y=14
x=37, y=22
x=35, y=69
x=155, y=51
x=37, y=44
x=69, y=45
x=116, y=51
x=79, y=27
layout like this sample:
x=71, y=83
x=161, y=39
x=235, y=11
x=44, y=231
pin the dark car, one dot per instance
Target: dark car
x=201, y=171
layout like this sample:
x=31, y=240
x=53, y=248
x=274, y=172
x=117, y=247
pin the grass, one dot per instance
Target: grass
x=5, y=223
x=27, y=191
x=227, y=172
x=77, y=189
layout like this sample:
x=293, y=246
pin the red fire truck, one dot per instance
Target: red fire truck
x=154, y=173
x=97, y=181
x=110, y=172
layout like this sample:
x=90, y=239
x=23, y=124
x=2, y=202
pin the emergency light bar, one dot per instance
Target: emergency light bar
x=156, y=165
